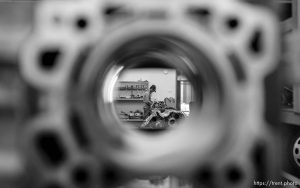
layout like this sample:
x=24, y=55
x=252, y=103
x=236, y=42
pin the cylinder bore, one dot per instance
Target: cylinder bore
x=159, y=51
x=51, y=149
x=139, y=47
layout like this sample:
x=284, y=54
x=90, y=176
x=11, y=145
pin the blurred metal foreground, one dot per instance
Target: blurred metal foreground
x=68, y=134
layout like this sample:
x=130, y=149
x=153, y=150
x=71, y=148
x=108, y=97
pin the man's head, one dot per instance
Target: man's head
x=153, y=88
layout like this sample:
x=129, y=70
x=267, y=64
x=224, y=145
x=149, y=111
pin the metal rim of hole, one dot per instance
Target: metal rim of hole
x=102, y=66
x=123, y=65
x=93, y=75
x=295, y=153
x=130, y=62
x=120, y=68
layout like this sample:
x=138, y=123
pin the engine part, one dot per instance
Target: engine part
x=162, y=120
x=70, y=62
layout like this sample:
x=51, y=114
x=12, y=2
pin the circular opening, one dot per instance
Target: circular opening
x=80, y=175
x=185, y=81
x=232, y=23
x=234, y=174
x=296, y=151
x=205, y=175
x=48, y=59
x=50, y=147
x=82, y=23
x=131, y=49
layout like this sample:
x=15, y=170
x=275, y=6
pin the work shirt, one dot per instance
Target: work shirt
x=147, y=98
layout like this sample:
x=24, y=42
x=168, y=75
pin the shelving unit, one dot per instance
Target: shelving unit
x=129, y=98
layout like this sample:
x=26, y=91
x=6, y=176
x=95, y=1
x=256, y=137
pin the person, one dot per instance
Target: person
x=147, y=100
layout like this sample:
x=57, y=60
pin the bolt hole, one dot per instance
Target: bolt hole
x=234, y=174
x=82, y=23
x=232, y=23
x=48, y=59
x=299, y=142
x=50, y=148
x=205, y=175
x=256, y=43
x=296, y=151
x=80, y=175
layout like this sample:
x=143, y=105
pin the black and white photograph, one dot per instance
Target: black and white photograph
x=149, y=93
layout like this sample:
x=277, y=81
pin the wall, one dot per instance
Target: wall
x=164, y=79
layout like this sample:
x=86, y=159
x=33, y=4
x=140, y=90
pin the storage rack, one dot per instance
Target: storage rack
x=129, y=98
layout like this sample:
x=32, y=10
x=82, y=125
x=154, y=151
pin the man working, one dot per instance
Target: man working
x=147, y=101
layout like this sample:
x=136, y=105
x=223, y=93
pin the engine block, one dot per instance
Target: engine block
x=68, y=134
